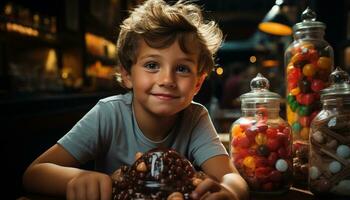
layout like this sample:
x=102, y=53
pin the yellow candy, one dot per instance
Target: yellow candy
x=260, y=139
x=236, y=131
x=304, y=133
x=295, y=91
x=249, y=162
x=291, y=116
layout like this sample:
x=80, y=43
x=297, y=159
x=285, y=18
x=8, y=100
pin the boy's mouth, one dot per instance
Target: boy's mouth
x=164, y=96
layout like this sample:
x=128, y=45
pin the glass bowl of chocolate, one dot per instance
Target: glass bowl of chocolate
x=157, y=174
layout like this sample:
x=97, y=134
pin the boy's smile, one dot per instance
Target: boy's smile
x=163, y=81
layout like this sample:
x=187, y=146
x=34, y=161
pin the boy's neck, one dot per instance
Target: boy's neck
x=155, y=128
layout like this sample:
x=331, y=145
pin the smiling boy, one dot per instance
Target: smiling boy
x=164, y=52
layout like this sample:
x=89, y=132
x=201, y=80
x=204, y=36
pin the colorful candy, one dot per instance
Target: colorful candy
x=308, y=65
x=262, y=152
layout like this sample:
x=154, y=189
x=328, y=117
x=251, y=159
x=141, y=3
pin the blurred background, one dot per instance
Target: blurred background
x=57, y=58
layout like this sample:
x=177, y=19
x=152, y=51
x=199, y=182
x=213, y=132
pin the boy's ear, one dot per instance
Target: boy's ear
x=200, y=82
x=126, y=78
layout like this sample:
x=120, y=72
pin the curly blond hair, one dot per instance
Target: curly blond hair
x=160, y=24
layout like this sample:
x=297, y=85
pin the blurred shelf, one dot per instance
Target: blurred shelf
x=103, y=59
x=43, y=39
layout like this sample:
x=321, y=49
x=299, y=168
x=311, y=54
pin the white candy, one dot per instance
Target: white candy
x=314, y=172
x=281, y=165
x=318, y=137
x=343, y=151
x=334, y=167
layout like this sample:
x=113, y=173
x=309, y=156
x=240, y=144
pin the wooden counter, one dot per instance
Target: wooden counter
x=292, y=194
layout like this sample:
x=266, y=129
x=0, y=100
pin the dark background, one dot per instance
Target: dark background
x=33, y=118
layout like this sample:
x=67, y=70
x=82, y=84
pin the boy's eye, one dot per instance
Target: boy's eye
x=152, y=66
x=183, y=69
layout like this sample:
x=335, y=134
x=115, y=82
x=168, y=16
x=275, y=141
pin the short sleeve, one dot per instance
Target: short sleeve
x=84, y=141
x=205, y=142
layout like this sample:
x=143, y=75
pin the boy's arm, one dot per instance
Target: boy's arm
x=221, y=169
x=51, y=172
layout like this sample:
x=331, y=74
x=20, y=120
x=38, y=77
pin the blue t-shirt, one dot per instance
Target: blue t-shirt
x=109, y=134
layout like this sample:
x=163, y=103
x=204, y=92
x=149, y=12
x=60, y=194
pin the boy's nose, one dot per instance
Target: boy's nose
x=166, y=79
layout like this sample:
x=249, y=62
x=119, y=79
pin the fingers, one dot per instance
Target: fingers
x=106, y=188
x=76, y=191
x=94, y=186
x=92, y=190
x=70, y=194
x=208, y=185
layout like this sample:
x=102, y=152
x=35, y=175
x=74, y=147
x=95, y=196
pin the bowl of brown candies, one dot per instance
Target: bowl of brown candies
x=156, y=175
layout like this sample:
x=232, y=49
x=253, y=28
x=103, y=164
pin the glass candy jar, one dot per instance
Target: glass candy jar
x=261, y=141
x=329, y=156
x=309, y=61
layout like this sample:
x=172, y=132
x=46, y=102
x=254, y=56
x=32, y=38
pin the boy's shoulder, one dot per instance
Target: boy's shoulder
x=120, y=98
x=196, y=107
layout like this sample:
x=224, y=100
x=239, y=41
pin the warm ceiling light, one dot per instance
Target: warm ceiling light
x=219, y=71
x=270, y=63
x=252, y=59
x=276, y=22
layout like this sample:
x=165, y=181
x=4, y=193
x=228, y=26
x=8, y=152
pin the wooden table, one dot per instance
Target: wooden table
x=292, y=194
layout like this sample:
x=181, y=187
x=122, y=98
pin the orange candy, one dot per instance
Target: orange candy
x=249, y=162
x=324, y=62
x=236, y=131
x=309, y=70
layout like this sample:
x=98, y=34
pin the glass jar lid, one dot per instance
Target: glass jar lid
x=340, y=84
x=260, y=91
x=308, y=21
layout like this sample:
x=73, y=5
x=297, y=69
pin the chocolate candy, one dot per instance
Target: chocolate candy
x=157, y=174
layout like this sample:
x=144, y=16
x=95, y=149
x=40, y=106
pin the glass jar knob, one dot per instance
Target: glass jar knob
x=259, y=83
x=308, y=15
x=339, y=76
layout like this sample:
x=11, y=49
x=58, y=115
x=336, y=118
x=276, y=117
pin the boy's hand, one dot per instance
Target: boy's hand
x=90, y=185
x=212, y=190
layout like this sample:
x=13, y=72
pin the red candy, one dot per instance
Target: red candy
x=256, y=151
x=271, y=133
x=305, y=121
x=272, y=158
x=251, y=132
x=317, y=85
x=273, y=144
x=242, y=142
x=294, y=75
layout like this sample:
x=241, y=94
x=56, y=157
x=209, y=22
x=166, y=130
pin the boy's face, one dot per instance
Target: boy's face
x=164, y=81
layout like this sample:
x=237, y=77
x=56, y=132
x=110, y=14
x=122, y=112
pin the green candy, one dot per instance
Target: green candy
x=290, y=98
x=304, y=110
x=296, y=127
x=294, y=106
